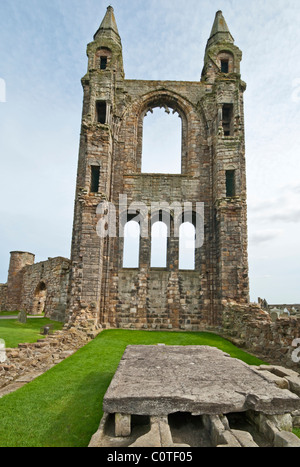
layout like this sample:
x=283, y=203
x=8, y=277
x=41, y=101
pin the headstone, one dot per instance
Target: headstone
x=22, y=317
x=2, y=351
x=274, y=315
x=46, y=330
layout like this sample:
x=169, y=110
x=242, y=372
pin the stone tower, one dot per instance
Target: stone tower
x=18, y=261
x=104, y=292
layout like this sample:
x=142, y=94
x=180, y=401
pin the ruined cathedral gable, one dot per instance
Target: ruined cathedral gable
x=210, y=185
x=114, y=192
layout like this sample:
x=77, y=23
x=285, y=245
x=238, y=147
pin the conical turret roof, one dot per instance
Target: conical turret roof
x=220, y=31
x=108, y=25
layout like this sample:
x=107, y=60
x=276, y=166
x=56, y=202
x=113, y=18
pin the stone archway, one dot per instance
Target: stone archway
x=39, y=300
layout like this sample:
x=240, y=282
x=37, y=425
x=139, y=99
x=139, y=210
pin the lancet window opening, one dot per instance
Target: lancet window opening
x=131, y=246
x=168, y=135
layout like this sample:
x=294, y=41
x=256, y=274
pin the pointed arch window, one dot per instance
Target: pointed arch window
x=162, y=141
x=131, y=250
x=159, y=245
x=187, y=246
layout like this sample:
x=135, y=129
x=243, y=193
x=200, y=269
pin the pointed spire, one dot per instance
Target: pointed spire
x=220, y=31
x=108, y=27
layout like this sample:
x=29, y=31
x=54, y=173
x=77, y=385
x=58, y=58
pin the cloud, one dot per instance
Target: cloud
x=284, y=208
x=264, y=236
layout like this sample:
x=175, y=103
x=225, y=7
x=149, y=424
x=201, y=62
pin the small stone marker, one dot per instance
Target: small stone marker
x=46, y=330
x=2, y=351
x=22, y=317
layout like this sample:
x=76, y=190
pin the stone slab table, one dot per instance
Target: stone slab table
x=161, y=380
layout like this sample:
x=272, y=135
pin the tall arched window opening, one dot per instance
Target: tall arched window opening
x=131, y=251
x=187, y=246
x=162, y=142
x=159, y=245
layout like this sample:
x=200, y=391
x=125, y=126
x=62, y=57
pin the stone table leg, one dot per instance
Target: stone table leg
x=122, y=425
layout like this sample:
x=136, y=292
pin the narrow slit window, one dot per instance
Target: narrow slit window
x=95, y=178
x=227, y=113
x=101, y=112
x=103, y=63
x=230, y=183
x=224, y=66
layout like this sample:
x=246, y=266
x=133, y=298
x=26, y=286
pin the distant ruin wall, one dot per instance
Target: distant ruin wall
x=45, y=288
x=36, y=288
x=18, y=261
x=3, y=297
x=252, y=328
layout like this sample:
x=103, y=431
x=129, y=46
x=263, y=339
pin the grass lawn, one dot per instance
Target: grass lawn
x=297, y=432
x=63, y=407
x=13, y=332
x=12, y=313
x=9, y=313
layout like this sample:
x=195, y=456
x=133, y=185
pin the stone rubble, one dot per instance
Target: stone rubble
x=28, y=361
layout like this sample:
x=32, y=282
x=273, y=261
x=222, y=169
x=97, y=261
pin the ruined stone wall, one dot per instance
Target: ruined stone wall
x=44, y=288
x=18, y=261
x=159, y=299
x=252, y=328
x=100, y=288
x=3, y=297
x=36, y=288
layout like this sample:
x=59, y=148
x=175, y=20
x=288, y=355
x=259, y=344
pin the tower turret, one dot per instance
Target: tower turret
x=104, y=76
x=221, y=74
x=222, y=56
x=105, y=52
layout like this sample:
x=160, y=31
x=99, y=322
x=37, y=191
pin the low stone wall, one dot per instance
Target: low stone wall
x=31, y=360
x=252, y=328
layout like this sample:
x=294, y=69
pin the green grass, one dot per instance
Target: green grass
x=13, y=332
x=296, y=431
x=9, y=313
x=14, y=313
x=63, y=407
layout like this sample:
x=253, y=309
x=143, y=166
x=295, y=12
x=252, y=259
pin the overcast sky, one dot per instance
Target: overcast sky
x=43, y=57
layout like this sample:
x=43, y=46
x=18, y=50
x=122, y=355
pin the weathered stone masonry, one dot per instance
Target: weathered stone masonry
x=93, y=290
x=212, y=117
x=36, y=288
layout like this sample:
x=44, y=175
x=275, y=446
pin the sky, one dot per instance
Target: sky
x=43, y=58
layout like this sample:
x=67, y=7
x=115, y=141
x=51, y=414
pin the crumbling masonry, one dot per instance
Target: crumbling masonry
x=212, y=172
x=93, y=289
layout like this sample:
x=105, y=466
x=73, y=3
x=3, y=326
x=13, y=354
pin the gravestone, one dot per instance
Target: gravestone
x=22, y=317
x=2, y=351
x=46, y=330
